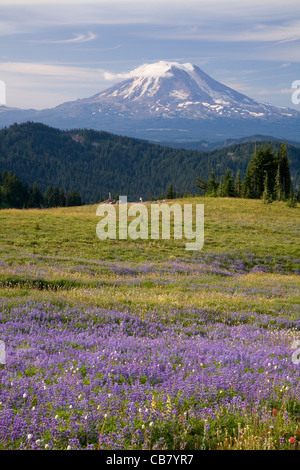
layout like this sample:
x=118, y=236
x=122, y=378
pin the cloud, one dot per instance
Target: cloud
x=287, y=91
x=74, y=12
x=51, y=70
x=79, y=38
x=226, y=32
x=155, y=70
x=43, y=85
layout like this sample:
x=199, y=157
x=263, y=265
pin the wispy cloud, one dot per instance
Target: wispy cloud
x=79, y=38
x=51, y=70
x=75, y=12
x=233, y=32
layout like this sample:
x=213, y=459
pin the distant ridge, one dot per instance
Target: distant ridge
x=204, y=145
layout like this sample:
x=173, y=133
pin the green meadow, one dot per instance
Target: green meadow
x=59, y=249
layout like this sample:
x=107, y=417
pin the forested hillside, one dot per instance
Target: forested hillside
x=96, y=163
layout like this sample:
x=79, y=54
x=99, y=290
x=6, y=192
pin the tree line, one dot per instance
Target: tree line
x=267, y=177
x=96, y=163
x=15, y=194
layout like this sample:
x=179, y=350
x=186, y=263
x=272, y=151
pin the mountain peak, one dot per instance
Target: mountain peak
x=172, y=88
x=160, y=69
x=168, y=100
x=154, y=70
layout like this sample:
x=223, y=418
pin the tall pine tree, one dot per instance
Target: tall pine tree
x=263, y=162
x=212, y=185
x=238, y=188
x=228, y=184
x=284, y=168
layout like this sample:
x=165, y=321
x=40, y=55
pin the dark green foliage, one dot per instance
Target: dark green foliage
x=266, y=165
x=228, y=184
x=201, y=185
x=220, y=190
x=170, y=193
x=263, y=162
x=14, y=194
x=73, y=198
x=238, y=185
x=284, y=170
x=62, y=198
x=267, y=177
x=212, y=185
x=279, y=192
x=292, y=200
x=49, y=197
x=96, y=163
x=266, y=195
x=35, y=199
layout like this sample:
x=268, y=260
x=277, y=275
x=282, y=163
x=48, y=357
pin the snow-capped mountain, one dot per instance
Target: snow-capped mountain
x=170, y=90
x=169, y=100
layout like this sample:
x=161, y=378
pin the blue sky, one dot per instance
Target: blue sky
x=57, y=51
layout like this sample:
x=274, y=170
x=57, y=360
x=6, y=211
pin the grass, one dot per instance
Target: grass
x=231, y=226
x=246, y=276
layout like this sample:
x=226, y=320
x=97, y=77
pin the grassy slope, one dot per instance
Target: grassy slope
x=57, y=249
x=231, y=225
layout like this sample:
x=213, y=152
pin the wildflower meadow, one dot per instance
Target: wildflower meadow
x=142, y=345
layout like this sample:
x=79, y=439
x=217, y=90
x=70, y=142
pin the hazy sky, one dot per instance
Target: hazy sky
x=56, y=51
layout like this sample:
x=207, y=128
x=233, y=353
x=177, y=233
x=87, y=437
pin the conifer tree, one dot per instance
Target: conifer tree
x=220, y=190
x=62, y=198
x=212, y=185
x=201, y=184
x=228, y=185
x=73, y=198
x=238, y=185
x=35, y=197
x=284, y=170
x=279, y=193
x=56, y=197
x=263, y=162
x=292, y=201
x=266, y=196
x=49, y=197
x=170, y=193
x=14, y=192
x=253, y=184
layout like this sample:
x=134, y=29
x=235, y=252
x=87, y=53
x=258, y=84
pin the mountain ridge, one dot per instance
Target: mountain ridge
x=96, y=163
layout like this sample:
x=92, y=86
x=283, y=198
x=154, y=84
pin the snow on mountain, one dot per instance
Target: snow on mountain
x=174, y=90
x=168, y=101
